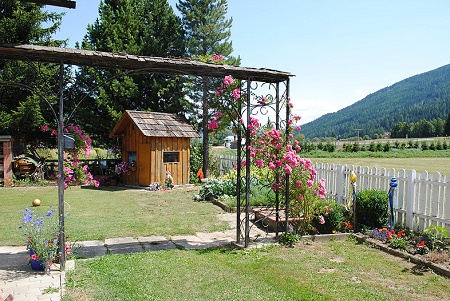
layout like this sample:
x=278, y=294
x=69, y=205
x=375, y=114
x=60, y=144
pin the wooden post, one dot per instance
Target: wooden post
x=7, y=164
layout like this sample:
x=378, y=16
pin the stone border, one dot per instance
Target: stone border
x=438, y=268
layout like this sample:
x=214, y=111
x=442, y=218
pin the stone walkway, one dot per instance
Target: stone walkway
x=17, y=278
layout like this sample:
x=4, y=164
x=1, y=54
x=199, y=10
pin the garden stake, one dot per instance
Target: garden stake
x=353, y=181
x=392, y=198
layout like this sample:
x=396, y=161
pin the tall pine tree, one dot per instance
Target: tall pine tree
x=208, y=33
x=140, y=27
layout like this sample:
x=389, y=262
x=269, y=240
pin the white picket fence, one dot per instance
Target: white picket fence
x=226, y=163
x=422, y=200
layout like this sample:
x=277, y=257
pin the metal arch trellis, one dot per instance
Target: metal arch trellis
x=170, y=67
x=275, y=101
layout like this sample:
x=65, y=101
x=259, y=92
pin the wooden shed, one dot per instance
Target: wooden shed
x=155, y=142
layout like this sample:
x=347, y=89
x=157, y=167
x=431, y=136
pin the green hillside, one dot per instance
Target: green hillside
x=424, y=96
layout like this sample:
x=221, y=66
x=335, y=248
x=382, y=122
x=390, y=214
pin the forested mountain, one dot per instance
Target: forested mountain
x=424, y=96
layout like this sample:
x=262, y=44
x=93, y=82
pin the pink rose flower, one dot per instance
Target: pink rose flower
x=236, y=93
x=228, y=80
x=213, y=125
x=287, y=169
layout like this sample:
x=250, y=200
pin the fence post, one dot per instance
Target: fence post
x=340, y=184
x=220, y=165
x=410, y=198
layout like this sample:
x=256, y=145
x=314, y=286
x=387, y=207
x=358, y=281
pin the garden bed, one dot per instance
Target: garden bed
x=267, y=218
x=422, y=260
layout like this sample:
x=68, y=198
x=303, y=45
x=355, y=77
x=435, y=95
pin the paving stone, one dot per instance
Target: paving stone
x=156, y=243
x=92, y=248
x=123, y=245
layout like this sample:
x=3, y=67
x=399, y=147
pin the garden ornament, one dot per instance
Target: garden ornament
x=169, y=180
x=353, y=181
x=36, y=202
x=392, y=194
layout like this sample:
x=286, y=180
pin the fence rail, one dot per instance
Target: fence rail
x=423, y=199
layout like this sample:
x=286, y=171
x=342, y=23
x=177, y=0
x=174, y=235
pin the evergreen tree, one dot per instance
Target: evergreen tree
x=140, y=27
x=208, y=33
x=24, y=109
x=447, y=126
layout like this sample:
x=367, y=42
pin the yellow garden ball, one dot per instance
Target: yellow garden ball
x=36, y=202
x=353, y=177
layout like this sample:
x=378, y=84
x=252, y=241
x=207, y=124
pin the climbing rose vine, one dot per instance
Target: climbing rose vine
x=277, y=151
x=75, y=172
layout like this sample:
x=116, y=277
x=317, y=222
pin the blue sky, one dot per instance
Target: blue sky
x=339, y=50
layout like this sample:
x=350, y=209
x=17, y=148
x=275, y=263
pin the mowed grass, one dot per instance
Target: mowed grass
x=337, y=270
x=309, y=271
x=99, y=213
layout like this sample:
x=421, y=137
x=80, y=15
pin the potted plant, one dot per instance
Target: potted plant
x=42, y=238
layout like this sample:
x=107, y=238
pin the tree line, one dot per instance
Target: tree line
x=422, y=129
x=308, y=146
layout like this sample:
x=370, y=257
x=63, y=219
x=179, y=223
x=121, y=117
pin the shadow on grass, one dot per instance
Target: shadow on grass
x=111, y=188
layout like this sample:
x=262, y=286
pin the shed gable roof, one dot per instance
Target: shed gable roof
x=155, y=124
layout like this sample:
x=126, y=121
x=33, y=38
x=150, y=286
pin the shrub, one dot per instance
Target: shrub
x=196, y=160
x=424, y=145
x=215, y=188
x=372, y=208
x=401, y=243
x=289, y=239
x=328, y=217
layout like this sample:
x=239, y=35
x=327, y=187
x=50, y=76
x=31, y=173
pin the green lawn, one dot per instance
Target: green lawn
x=99, y=213
x=318, y=271
x=309, y=271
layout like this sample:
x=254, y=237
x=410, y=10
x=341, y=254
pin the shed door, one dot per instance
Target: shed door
x=143, y=164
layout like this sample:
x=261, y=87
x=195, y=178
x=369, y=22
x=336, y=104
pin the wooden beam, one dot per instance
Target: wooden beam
x=60, y=3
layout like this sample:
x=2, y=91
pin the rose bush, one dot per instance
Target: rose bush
x=75, y=172
x=290, y=175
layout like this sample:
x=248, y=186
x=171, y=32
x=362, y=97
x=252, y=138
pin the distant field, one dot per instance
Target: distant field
x=430, y=161
x=430, y=165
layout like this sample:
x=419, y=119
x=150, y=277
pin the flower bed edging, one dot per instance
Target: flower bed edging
x=438, y=268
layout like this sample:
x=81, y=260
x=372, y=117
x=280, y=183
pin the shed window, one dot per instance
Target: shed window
x=131, y=157
x=169, y=157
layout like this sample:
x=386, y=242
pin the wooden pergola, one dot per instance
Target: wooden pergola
x=167, y=66
x=61, y=3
